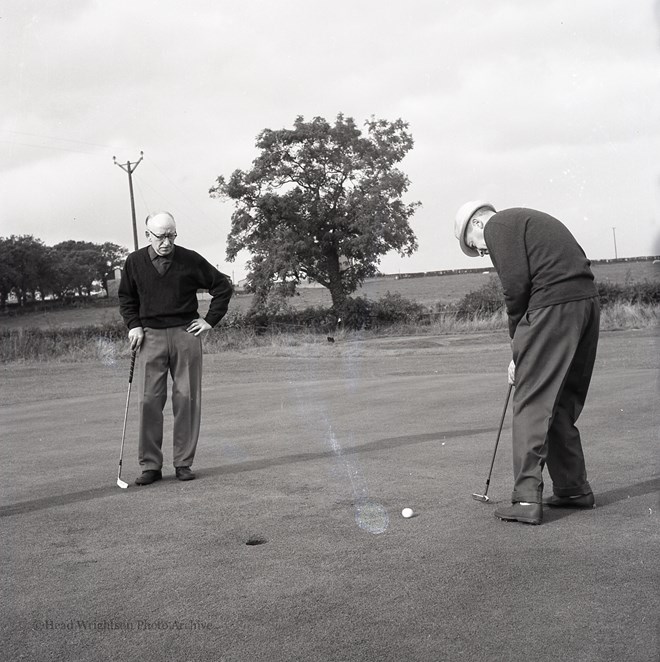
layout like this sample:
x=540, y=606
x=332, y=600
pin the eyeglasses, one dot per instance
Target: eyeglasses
x=162, y=237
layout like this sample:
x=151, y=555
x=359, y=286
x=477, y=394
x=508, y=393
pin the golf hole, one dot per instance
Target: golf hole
x=256, y=541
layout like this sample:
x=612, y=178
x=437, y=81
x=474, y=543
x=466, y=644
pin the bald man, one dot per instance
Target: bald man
x=158, y=302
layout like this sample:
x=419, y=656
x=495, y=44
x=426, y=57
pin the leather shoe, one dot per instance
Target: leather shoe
x=575, y=501
x=184, y=473
x=517, y=512
x=149, y=476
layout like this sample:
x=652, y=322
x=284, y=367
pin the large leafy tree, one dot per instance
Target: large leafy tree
x=28, y=267
x=322, y=202
x=77, y=266
x=25, y=266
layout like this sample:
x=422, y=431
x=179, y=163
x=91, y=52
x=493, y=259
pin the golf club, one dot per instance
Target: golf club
x=120, y=482
x=484, y=497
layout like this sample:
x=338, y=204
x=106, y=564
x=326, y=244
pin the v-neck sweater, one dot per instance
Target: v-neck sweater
x=161, y=301
x=538, y=260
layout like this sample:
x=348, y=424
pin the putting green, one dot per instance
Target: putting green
x=291, y=544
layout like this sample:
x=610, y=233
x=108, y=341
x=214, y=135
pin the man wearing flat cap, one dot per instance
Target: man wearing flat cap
x=553, y=314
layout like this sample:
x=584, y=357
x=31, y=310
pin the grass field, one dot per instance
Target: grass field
x=428, y=291
x=432, y=290
x=313, y=451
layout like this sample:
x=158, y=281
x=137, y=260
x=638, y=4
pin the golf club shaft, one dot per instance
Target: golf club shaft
x=499, y=434
x=128, y=399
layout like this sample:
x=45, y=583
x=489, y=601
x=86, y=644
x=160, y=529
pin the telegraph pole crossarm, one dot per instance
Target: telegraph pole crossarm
x=129, y=168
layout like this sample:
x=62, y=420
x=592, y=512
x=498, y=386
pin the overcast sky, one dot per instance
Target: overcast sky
x=553, y=105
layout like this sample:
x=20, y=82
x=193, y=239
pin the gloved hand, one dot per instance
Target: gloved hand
x=512, y=373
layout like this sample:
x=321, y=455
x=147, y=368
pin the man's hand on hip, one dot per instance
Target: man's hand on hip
x=198, y=327
x=135, y=337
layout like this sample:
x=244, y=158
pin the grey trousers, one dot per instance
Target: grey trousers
x=178, y=353
x=554, y=349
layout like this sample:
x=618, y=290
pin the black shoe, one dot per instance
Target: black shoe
x=184, y=473
x=149, y=476
x=575, y=501
x=531, y=513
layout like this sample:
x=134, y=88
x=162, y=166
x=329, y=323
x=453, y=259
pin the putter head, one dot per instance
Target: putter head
x=122, y=484
x=481, y=497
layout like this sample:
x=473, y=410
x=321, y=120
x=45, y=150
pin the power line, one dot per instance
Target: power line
x=209, y=222
x=59, y=149
x=141, y=192
x=171, y=205
x=184, y=194
x=68, y=140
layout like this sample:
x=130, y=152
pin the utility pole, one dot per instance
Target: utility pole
x=130, y=168
x=614, y=236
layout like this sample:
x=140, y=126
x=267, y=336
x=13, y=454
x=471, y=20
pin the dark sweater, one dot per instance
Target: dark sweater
x=147, y=298
x=538, y=260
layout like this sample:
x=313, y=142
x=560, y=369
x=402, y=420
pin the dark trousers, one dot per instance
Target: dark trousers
x=554, y=349
x=178, y=353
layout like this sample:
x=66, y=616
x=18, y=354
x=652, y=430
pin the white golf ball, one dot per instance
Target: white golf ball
x=407, y=512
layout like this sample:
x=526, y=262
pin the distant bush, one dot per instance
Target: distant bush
x=486, y=300
x=293, y=320
x=394, y=308
x=361, y=313
x=643, y=292
x=627, y=305
x=108, y=343
x=489, y=299
x=357, y=313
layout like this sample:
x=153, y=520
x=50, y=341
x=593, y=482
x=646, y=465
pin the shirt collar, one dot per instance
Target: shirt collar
x=153, y=255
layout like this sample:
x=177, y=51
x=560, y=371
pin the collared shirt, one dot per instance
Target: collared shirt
x=161, y=262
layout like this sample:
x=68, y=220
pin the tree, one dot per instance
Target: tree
x=321, y=202
x=8, y=272
x=76, y=265
x=112, y=256
x=28, y=267
x=26, y=262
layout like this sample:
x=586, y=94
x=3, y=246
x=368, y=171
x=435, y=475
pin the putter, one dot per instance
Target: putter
x=484, y=497
x=120, y=482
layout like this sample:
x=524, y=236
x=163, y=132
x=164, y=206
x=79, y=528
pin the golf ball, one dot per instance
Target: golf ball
x=407, y=512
